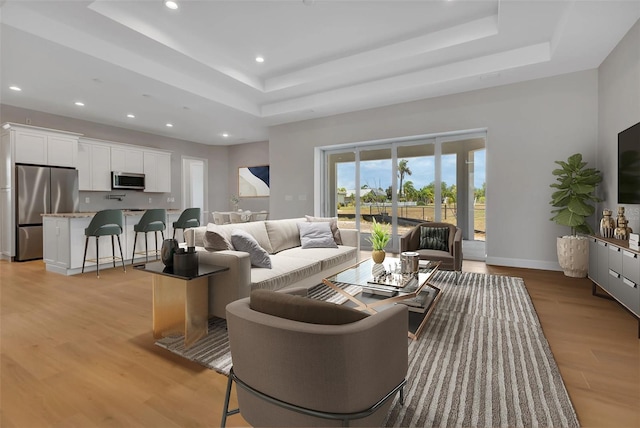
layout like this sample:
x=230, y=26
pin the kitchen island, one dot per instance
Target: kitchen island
x=64, y=239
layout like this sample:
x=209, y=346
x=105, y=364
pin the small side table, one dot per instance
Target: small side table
x=181, y=300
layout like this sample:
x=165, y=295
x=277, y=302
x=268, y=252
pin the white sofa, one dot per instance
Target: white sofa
x=292, y=266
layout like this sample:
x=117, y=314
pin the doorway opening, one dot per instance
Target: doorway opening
x=194, y=185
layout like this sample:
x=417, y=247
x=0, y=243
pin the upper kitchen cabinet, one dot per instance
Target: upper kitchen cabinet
x=42, y=146
x=94, y=166
x=125, y=159
x=157, y=171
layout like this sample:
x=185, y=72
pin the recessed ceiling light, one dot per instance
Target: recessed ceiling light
x=79, y=103
x=169, y=125
x=15, y=88
x=171, y=4
x=259, y=59
x=131, y=116
x=225, y=135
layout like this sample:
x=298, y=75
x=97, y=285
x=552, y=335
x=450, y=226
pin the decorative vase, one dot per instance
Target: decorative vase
x=169, y=247
x=573, y=255
x=378, y=256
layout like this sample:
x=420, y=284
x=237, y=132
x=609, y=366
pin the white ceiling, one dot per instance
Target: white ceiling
x=195, y=67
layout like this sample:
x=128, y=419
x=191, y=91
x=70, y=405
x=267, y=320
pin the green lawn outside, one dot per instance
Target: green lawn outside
x=426, y=213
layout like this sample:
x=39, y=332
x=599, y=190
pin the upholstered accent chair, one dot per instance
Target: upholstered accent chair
x=304, y=362
x=435, y=241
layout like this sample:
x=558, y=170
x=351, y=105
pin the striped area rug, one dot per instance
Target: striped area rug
x=482, y=360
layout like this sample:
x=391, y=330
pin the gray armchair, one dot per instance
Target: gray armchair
x=451, y=258
x=328, y=366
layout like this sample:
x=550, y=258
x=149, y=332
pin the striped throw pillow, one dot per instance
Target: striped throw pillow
x=434, y=238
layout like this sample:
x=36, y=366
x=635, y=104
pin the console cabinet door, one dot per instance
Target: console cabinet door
x=593, y=260
x=603, y=265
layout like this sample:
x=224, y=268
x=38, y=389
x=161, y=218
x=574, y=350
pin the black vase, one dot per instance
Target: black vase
x=169, y=247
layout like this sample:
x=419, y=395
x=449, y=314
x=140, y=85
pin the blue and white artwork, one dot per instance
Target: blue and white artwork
x=253, y=181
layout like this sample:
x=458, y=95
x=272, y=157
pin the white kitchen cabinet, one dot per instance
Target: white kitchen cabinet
x=39, y=146
x=7, y=241
x=6, y=173
x=94, y=166
x=157, y=170
x=56, y=242
x=127, y=160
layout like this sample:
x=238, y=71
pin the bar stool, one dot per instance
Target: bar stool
x=104, y=223
x=155, y=221
x=189, y=218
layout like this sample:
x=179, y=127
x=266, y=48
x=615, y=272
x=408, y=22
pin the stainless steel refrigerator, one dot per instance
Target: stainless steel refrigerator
x=41, y=190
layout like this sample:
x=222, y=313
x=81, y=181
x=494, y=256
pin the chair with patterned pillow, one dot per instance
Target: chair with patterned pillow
x=436, y=241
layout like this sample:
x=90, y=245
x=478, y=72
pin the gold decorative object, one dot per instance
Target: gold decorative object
x=607, y=224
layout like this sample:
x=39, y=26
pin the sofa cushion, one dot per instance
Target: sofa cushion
x=303, y=309
x=284, y=271
x=328, y=257
x=283, y=234
x=216, y=238
x=243, y=241
x=434, y=238
x=333, y=222
x=316, y=235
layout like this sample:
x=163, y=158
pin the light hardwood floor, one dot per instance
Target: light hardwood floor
x=78, y=351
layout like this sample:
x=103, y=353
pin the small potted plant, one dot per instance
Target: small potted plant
x=575, y=189
x=235, y=201
x=379, y=239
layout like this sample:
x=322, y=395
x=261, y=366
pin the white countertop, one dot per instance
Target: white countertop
x=91, y=214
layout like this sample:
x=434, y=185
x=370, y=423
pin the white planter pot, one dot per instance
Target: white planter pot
x=573, y=255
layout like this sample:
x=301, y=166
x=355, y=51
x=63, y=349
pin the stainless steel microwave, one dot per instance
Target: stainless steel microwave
x=127, y=180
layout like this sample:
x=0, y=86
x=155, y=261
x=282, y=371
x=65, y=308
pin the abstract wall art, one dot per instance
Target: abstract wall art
x=253, y=181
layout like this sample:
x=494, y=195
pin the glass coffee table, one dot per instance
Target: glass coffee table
x=382, y=286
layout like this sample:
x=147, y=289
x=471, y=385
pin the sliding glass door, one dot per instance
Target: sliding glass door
x=403, y=183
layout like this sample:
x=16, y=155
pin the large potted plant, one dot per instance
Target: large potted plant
x=575, y=190
x=379, y=239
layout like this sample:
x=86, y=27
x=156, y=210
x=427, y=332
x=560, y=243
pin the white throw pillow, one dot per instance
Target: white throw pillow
x=316, y=235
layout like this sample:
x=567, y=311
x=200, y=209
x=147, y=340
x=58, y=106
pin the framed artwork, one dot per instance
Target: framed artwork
x=253, y=181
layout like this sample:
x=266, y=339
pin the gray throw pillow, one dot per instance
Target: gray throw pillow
x=215, y=239
x=303, y=309
x=434, y=238
x=316, y=235
x=333, y=222
x=243, y=241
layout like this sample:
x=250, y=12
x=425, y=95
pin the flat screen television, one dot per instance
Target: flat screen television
x=629, y=165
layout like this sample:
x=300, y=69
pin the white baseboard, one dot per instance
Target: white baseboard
x=523, y=263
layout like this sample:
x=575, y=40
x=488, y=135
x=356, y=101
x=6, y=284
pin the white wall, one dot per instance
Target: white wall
x=529, y=125
x=618, y=109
